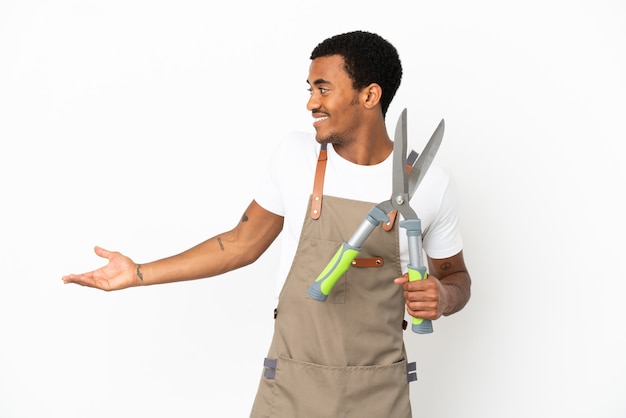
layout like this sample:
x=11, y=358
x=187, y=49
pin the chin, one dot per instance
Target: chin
x=328, y=138
x=321, y=139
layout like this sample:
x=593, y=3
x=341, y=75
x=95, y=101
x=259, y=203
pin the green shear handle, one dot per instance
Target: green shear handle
x=416, y=268
x=338, y=265
x=342, y=260
x=419, y=325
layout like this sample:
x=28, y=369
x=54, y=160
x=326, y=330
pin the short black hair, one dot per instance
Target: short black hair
x=368, y=59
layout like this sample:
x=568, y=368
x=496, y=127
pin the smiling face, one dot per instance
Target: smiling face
x=334, y=103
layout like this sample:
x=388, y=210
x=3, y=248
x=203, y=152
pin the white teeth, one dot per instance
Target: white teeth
x=320, y=119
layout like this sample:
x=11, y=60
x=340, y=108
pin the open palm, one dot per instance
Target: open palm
x=119, y=273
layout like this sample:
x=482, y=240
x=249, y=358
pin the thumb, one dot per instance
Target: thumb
x=401, y=280
x=101, y=252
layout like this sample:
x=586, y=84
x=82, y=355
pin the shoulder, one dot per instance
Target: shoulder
x=294, y=159
x=295, y=155
x=436, y=188
x=438, y=174
x=297, y=145
x=289, y=171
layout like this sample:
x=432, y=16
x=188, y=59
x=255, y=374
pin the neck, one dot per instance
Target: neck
x=368, y=148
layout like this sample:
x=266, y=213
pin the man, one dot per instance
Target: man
x=345, y=356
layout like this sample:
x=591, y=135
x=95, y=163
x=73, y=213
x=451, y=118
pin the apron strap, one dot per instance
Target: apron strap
x=318, y=184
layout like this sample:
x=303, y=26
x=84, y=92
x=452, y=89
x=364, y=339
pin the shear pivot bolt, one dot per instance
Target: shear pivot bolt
x=399, y=200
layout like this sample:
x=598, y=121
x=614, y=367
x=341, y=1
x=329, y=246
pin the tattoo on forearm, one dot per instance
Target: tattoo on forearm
x=219, y=241
x=244, y=218
x=139, y=272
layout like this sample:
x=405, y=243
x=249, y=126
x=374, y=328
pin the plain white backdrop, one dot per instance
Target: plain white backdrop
x=142, y=126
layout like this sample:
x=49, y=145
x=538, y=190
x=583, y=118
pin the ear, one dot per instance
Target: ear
x=370, y=95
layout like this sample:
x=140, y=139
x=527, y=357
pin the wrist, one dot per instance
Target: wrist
x=139, y=275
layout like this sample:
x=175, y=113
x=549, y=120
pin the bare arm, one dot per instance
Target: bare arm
x=446, y=291
x=242, y=245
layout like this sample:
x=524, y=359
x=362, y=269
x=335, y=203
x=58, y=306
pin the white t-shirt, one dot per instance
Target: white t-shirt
x=288, y=185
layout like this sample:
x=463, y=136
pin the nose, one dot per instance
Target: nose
x=313, y=103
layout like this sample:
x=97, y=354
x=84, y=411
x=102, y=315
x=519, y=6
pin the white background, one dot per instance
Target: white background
x=142, y=126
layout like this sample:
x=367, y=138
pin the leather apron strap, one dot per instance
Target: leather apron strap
x=318, y=183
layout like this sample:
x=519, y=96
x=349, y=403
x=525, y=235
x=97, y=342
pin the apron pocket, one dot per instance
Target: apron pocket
x=301, y=389
x=316, y=258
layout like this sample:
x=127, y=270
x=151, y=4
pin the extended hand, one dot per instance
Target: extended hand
x=119, y=273
x=425, y=299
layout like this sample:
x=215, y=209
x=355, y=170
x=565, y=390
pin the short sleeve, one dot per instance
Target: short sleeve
x=443, y=238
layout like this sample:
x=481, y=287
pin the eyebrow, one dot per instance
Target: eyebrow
x=319, y=81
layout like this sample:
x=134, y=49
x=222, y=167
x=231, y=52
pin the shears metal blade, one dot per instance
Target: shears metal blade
x=406, y=178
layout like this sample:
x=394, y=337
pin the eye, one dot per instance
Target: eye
x=322, y=90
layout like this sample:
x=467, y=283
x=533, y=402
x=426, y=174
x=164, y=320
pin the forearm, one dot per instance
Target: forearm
x=457, y=291
x=231, y=250
x=455, y=282
x=212, y=257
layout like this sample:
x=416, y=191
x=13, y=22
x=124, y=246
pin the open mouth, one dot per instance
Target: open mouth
x=317, y=121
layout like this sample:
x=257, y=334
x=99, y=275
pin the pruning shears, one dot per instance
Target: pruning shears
x=406, y=178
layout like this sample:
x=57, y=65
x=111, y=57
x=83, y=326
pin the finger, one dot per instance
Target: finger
x=422, y=310
x=94, y=281
x=402, y=280
x=67, y=279
x=101, y=252
x=81, y=279
x=421, y=295
x=421, y=286
x=71, y=278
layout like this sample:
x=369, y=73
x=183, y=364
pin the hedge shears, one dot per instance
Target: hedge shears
x=406, y=178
